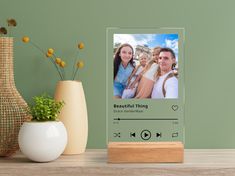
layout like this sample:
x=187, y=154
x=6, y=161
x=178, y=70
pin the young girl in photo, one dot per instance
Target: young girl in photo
x=133, y=80
x=148, y=79
x=123, y=67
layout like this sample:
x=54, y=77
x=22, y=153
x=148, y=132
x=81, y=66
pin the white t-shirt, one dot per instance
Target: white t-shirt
x=171, y=87
x=151, y=72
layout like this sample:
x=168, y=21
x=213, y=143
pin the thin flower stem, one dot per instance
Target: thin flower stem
x=63, y=73
x=37, y=47
x=57, y=67
x=75, y=73
x=74, y=64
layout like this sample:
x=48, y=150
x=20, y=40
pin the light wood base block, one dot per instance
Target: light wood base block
x=145, y=152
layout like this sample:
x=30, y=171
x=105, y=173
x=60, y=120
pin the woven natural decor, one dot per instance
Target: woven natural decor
x=12, y=106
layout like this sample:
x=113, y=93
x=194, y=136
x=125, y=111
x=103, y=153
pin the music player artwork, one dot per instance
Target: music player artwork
x=145, y=84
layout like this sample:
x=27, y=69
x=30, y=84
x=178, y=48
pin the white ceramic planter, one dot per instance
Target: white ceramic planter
x=42, y=141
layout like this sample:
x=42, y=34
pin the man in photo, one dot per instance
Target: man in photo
x=166, y=85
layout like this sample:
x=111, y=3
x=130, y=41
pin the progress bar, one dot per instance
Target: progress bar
x=145, y=119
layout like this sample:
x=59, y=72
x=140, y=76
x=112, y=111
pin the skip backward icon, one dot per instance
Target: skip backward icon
x=133, y=134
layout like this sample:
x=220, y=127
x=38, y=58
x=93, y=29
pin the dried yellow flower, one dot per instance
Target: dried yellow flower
x=81, y=45
x=80, y=64
x=48, y=54
x=58, y=60
x=62, y=64
x=50, y=51
x=25, y=39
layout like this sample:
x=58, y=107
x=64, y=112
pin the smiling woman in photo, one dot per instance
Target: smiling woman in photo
x=123, y=67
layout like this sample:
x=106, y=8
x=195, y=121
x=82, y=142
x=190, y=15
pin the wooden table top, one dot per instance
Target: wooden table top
x=200, y=162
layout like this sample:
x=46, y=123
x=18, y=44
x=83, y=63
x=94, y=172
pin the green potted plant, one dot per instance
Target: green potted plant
x=44, y=138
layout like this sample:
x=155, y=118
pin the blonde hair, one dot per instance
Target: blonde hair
x=143, y=55
x=150, y=63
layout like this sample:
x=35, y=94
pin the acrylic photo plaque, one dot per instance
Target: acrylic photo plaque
x=145, y=85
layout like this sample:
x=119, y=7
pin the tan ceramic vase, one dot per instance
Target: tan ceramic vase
x=13, y=108
x=73, y=115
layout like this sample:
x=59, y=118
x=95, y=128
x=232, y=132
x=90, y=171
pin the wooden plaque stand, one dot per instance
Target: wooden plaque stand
x=145, y=152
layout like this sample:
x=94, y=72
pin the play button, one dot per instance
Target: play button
x=145, y=135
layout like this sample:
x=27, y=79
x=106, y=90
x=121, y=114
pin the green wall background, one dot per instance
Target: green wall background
x=209, y=55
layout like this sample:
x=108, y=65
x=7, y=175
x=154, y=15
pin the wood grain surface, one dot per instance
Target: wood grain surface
x=94, y=162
